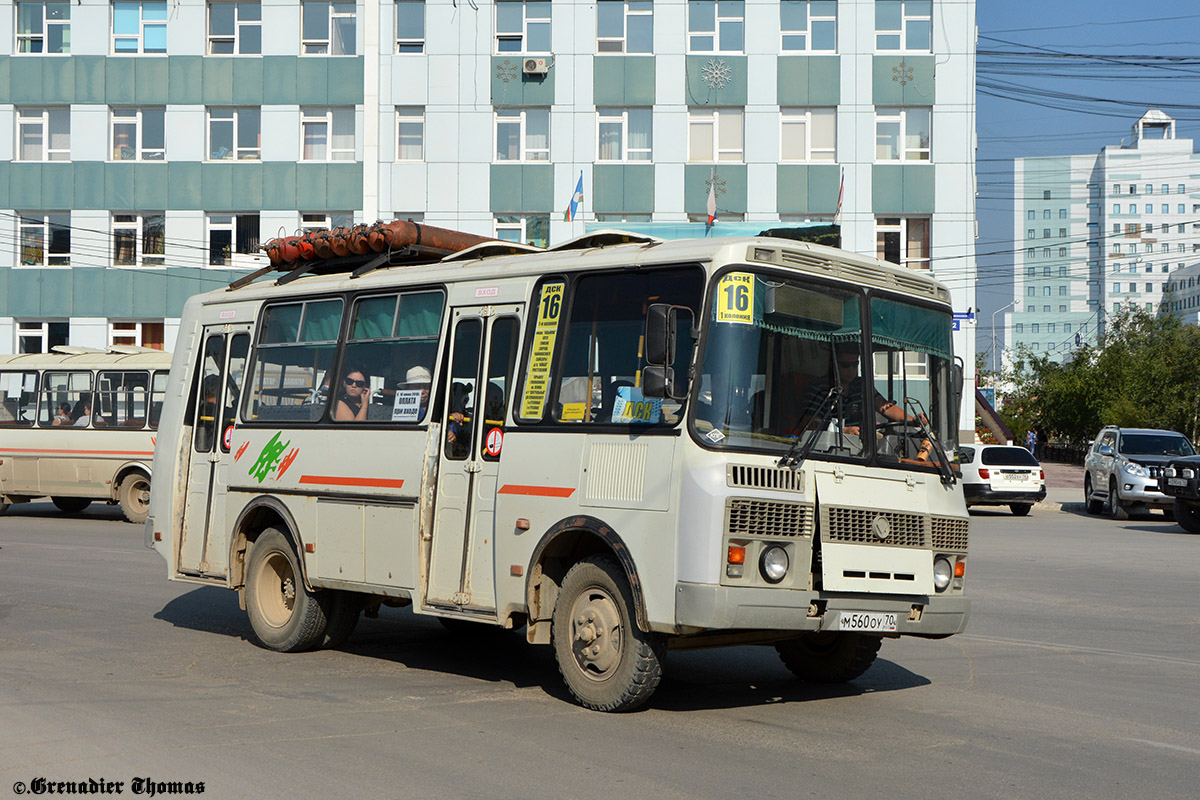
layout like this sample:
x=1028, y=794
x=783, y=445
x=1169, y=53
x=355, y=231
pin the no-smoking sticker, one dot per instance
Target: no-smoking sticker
x=228, y=437
x=494, y=441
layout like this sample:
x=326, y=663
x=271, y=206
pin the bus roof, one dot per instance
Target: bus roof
x=116, y=357
x=596, y=251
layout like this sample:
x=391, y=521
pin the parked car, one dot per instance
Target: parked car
x=1001, y=475
x=1180, y=480
x=1123, y=466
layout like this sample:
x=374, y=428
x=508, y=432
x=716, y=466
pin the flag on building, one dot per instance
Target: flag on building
x=712, y=199
x=576, y=201
x=837, y=215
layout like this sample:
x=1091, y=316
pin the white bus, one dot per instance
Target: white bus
x=78, y=425
x=627, y=445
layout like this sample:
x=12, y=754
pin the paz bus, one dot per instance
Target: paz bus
x=626, y=445
x=78, y=425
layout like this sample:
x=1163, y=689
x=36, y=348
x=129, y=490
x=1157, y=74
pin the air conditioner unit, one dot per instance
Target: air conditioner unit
x=536, y=66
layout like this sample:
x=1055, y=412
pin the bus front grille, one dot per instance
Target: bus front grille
x=745, y=477
x=950, y=533
x=859, y=526
x=745, y=517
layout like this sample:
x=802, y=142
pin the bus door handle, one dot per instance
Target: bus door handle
x=474, y=466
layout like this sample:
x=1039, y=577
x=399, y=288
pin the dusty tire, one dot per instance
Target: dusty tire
x=1020, y=509
x=1116, y=509
x=1092, y=505
x=829, y=656
x=284, y=615
x=134, y=495
x=71, y=505
x=606, y=661
x=1188, y=516
x=344, y=609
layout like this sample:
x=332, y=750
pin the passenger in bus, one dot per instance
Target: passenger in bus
x=418, y=377
x=63, y=417
x=458, y=427
x=355, y=398
x=846, y=358
x=84, y=411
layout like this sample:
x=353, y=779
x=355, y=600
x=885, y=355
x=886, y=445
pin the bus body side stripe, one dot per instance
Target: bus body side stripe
x=536, y=491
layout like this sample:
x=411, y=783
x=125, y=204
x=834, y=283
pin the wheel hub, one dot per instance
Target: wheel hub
x=596, y=634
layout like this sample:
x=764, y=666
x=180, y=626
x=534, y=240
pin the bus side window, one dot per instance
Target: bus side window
x=121, y=399
x=464, y=367
x=501, y=366
x=291, y=376
x=18, y=398
x=158, y=395
x=73, y=389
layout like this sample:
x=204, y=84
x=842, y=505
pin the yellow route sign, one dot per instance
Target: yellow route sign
x=735, y=298
x=537, y=378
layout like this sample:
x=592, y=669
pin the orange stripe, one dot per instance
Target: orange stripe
x=536, y=491
x=334, y=480
x=79, y=452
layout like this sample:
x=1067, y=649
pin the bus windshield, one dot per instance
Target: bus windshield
x=784, y=363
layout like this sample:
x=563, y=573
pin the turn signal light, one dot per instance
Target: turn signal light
x=960, y=569
x=983, y=473
x=737, y=554
x=1043, y=472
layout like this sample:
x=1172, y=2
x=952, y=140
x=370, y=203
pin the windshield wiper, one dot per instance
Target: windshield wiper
x=943, y=461
x=797, y=452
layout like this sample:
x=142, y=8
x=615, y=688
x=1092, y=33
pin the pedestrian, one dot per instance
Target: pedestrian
x=1031, y=442
x=1042, y=440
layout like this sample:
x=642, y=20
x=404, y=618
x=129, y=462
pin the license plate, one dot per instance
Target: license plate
x=1177, y=482
x=1020, y=477
x=869, y=621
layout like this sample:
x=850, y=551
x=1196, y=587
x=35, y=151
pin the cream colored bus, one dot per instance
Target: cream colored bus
x=78, y=425
x=627, y=445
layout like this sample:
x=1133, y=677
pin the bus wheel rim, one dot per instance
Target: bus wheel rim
x=277, y=595
x=596, y=633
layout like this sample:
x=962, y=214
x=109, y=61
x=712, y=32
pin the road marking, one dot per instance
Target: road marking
x=1071, y=648
x=1166, y=745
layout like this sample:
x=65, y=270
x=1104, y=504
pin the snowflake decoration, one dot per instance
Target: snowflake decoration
x=714, y=184
x=716, y=74
x=506, y=71
x=902, y=73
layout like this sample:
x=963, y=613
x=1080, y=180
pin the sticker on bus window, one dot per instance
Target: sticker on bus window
x=407, y=407
x=631, y=406
x=572, y=412
x=537, y=379
x=735, y=298
x=494, y=442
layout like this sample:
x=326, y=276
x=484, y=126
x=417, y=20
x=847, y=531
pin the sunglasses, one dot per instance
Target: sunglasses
x=353, y=382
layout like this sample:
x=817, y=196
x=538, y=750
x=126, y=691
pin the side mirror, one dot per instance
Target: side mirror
x=1106, y=450
x=659, y=382
x=660, y=334
x=956, y=386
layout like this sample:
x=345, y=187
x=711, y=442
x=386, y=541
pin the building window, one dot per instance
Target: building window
x=1031, y=214
x=522, y=26
x=45, y=239
x=35, y=336
x=715, y=134
x=1116, y=288
x=1045, y=233
x=1020, y=327
x=1062, y=213
x=410, y=26
x=1149, y=188
x=44, y=27
x=1116, y=208
x=139, y=26
x=1116, y=188
x=808, y=134
x=327, y=28
x=533, y=229
x=1031, y=234
x=1035, y=328
x=138, y=134
x=1181, y=189
x=138, y=240
x=1062, y=252
x=328, y=134
x=1046, y=214
x=234, y=28
x=1062, y=291
x=624, y=26
x=903, y=25
x=1180, y=209
x=624, y=134
x=44, y=134
x=1066, y=325
x=904, y=241
x=716, y=27
x=1045, y=272
x=234, y=134
x=1062, y=233
x=522, y=134
x=136, y=334
x=325, y=221
x=1133, y=189
x=410, y=133
x=808, y=25
x=1046, y=291
x=902, y=134
x=1045, y=252
x=1062, y=270
x=1050, y=327
x=229, y=234
x=1031, y=252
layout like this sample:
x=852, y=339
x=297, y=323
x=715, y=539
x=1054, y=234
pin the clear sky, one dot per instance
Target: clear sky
x=1053, y=105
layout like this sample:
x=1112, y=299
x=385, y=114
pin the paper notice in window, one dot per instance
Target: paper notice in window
x=632, y=407
x=537, y=377
x=407, y=407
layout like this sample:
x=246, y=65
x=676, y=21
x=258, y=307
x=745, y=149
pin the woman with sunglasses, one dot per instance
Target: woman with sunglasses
x=356, y=396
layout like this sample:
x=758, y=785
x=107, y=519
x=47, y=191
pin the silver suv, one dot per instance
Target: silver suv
x=1123, y=466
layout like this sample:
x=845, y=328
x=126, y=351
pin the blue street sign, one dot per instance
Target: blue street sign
x=954, y=324
x=964, y=315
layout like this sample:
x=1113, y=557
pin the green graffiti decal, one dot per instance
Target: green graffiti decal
x=268, y=459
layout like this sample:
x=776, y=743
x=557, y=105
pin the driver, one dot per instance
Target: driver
x=846, y=357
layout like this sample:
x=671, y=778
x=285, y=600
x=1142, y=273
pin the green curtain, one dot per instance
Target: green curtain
x=420, y=314
x=322, y=319
x=909, y=327
x=836, y=305
x=282, y=324
x=374, y=318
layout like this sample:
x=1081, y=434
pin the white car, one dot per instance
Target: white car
x=1001, y=475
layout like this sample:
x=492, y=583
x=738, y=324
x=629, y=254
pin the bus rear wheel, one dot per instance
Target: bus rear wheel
x=135, y=497
x=284, y=615
x=71, y=505
x=606, y=661
x=829, y=656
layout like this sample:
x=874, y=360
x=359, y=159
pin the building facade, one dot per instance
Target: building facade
x=153, y=145
x=1100, y=232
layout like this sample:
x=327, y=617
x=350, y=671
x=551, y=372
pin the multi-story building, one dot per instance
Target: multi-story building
x=1099, y=232
x=154, y=144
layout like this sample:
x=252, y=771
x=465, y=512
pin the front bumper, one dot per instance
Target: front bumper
x=710, y=607
x=979, y=494
x=1189, y=490
x=1135, y=489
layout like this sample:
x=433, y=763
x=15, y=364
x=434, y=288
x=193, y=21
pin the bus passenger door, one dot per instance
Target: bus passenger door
x=484, y=347
x=203, y=548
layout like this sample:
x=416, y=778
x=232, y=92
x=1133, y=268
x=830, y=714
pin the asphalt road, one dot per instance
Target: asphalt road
x=1079, y=677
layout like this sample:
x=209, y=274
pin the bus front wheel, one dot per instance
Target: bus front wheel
x=607, y=662
x=284, y=615
x=71, y=505
x=135, y=497
x=828, y=656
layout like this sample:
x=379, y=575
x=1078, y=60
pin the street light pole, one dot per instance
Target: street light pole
x=994, y=313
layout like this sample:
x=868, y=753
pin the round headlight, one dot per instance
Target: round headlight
x=943, y=571
x=773, y=564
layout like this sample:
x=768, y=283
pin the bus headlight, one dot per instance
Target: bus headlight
x=773, y=564
x=942, y=573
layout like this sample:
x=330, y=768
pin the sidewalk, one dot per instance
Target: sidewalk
x=1064, y=484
